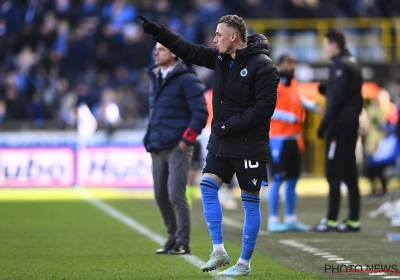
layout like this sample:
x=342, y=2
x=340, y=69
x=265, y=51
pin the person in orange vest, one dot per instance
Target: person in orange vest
x=286, y=145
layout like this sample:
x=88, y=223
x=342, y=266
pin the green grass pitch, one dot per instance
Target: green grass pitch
x=72, y=239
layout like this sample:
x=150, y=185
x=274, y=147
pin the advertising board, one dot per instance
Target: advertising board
x=37, y=167
x=115, y=167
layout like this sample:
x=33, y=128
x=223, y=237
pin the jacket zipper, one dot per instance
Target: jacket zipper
x=222, y=97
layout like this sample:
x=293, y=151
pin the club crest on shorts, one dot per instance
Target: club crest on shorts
x=243, y=73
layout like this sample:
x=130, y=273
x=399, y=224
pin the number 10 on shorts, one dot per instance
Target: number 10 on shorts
x=248, y=164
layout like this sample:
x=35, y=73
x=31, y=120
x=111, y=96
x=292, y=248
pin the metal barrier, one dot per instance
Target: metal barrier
x=386, y=32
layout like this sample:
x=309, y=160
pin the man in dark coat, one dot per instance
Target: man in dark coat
x=178, y=113
x=244, y=99
x=340, y=123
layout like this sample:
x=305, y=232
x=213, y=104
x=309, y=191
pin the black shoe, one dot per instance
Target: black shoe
x=323, y=227
x=168, y=246
x=345, y=227
x=179, y=249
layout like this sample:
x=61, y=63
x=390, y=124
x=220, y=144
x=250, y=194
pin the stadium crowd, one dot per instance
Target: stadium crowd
x=57, y=54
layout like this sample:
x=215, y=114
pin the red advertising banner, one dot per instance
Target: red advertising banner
x=37, y=167
x=115, y=167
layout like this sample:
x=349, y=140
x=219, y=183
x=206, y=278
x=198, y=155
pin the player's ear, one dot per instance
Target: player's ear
x=233, y=36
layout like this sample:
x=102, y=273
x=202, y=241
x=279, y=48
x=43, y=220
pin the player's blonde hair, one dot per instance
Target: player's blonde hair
x=237, y=23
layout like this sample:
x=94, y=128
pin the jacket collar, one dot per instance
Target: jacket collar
x=180, y=67
x=343, y=53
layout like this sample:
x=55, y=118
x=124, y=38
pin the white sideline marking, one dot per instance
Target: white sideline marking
x=130, y=222
x=314, y=251
x=328, y=256
x=335, y=259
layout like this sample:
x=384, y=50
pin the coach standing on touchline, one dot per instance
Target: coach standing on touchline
x=178, y=113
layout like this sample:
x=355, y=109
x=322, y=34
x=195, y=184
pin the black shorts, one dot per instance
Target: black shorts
x=251, y=174
x=197, y=159
x=288, y=164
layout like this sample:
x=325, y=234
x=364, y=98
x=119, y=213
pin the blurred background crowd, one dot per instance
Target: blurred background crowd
x=57, y=54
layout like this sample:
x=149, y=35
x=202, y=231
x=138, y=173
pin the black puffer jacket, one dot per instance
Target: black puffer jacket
x=244, y=96
x=343, y=94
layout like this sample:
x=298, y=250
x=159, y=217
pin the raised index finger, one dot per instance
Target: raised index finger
x=143, y=18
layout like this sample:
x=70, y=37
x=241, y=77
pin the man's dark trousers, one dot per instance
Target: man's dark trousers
x=341, y=166
x=170, y=169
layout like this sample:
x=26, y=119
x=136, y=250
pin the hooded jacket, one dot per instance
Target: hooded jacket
x=244, y=96
x=177, y=108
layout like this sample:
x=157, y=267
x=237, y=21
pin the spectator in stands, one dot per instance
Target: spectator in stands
x=67, y=106
x=384, y=156
x=37, y=110
x=117, y=14
x=257, y=9
x=163, y=11
x=3, y=40
x=60, y=46
x=47, y=36
x=15, y=105
x=81, y=50
x=147, y=9
x=137, y=50
x=107, y=112
x=105, y=58
x=11, y=10
x=24, y=65
x=299, y=8
x=207, y=15
x=375, y=133
x=63, y=9
x=87, y=9
x=79, y=39
x=32, y=17
x=360, y=8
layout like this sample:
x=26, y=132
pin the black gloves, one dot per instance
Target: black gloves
x=322, y=88
x=321, y=131
x=150, y=27
x=220, y=129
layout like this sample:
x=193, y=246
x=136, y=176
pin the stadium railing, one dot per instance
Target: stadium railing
x=371, y=39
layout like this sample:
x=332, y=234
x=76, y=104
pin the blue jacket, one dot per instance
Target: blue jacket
x=178, y=108
x=386, y=152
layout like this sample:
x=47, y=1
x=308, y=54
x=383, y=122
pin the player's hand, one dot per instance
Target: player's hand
x=150, y=27
x=220, y=129
x=183, y=146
